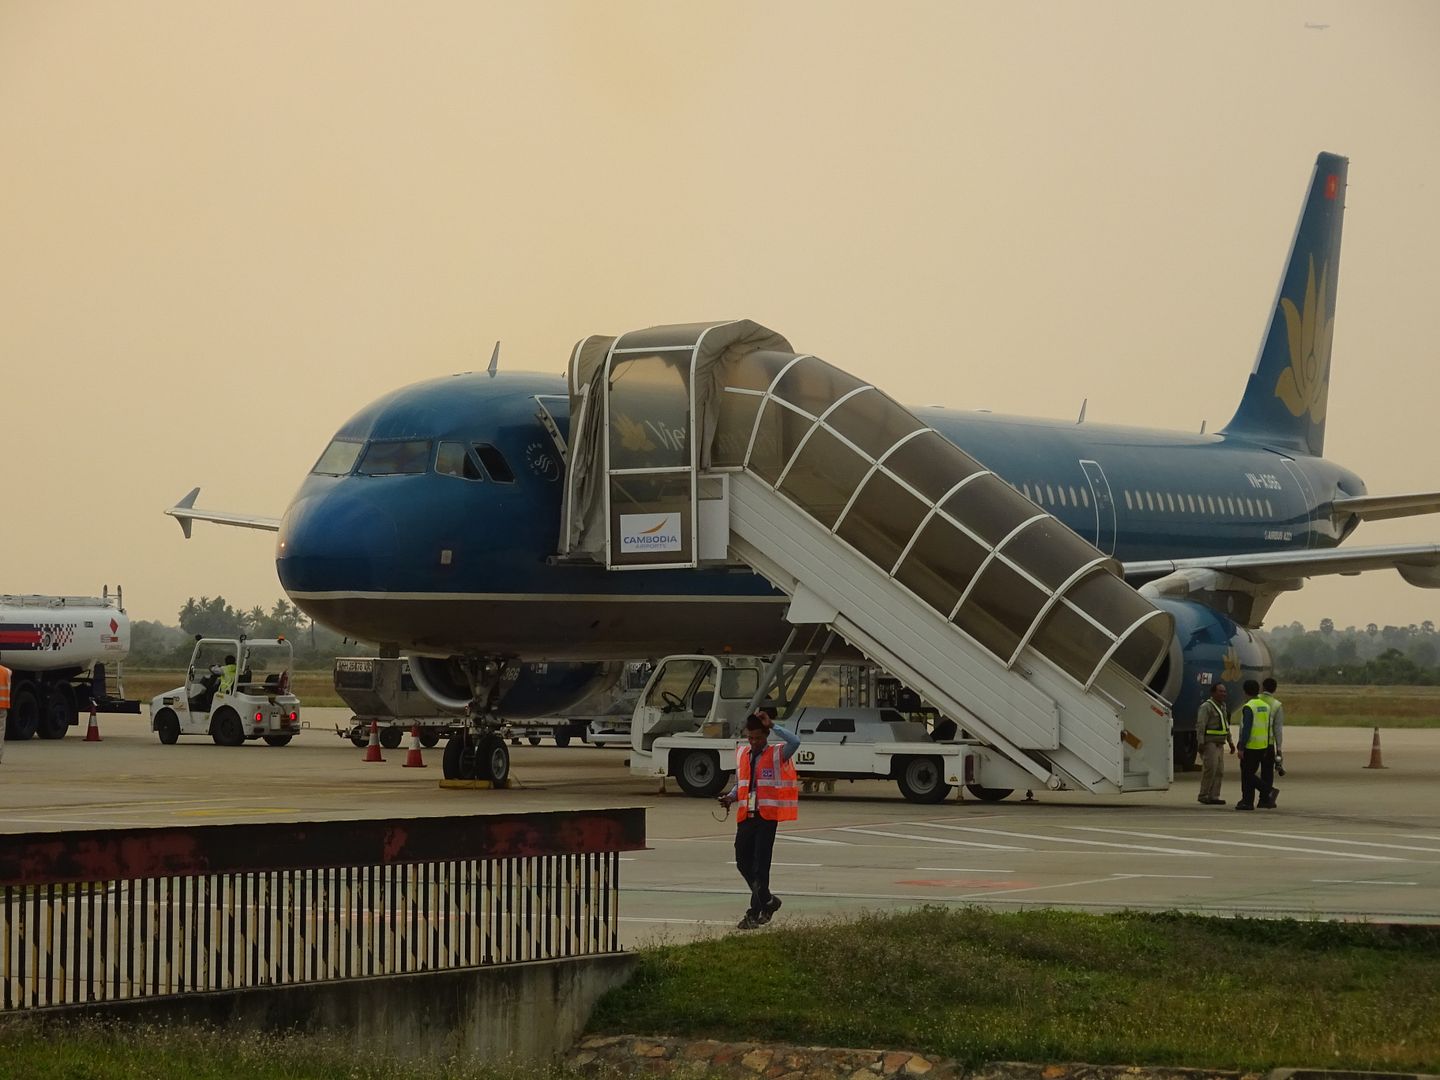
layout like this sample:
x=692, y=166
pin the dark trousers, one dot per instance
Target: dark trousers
x=754, y=845
x=1252, y=761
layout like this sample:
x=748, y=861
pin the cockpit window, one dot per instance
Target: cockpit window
x=495, y=463
x=338, y=458
x=453, y=459
x=390, y=458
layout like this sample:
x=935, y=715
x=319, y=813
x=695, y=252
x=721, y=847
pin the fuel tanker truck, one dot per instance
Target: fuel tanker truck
x=64, y=654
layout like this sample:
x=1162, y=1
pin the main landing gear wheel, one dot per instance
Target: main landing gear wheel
x=989, y=794
x=922, y=780
x=699, y=774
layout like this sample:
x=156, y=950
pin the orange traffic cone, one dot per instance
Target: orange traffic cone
x=92, y=733
x=413, y=760
x=372, y=752
x=1375, y=762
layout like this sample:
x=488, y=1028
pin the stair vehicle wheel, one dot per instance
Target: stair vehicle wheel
x=226, y=728
x=429, y=737
x=59, y=711
x=359, y=734
x=390, y=737
x=922, y=779
x=167, y=726
x=989, y=794
x=492, y=759
x=699, y=774
x=24, y=717
x=281, y=738
x=450, y=762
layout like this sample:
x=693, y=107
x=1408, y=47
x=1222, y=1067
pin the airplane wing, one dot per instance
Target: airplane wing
x=186, y=514
x=1381, y=507
x=1419, y=564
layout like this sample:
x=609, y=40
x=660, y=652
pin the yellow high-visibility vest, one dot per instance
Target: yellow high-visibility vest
x=4, y=688
x=1215, y=724
x=1259, y=724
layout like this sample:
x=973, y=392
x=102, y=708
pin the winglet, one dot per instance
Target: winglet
x=177, y=512
x=494, y=360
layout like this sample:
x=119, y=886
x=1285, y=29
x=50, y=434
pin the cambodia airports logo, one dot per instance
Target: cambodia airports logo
x=643, y=533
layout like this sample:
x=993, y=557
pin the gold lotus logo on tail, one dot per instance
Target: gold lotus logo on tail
x=1304, y=384
x=1232, y=670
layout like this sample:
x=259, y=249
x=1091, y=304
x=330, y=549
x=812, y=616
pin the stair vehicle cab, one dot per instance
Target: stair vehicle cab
x=235, y=689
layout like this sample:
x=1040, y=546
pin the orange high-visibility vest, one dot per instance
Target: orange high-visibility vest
x=4, y=688
x=778, y=785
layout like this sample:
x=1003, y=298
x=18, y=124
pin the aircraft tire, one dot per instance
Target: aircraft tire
x=59, y=711
x=492, y=759
x=921, y=779
x=989, y=794
x=450, y=761
x=167, y=726
x=24, y=716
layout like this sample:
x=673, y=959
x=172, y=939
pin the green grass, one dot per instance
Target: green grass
x=1362, y=706
x=37, y=1051
x=1050, y=986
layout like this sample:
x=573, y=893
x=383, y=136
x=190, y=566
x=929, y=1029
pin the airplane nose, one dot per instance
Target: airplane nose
x=335, y=541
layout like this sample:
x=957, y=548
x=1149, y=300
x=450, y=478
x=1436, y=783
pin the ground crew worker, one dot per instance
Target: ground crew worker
x=1257, y=752
x=1212, y=731
x=767, y=790
x=4, y=705
x=227, y=676
x=1277, y=723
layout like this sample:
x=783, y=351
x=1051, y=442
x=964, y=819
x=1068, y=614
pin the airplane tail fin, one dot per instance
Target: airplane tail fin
x=1285, y=399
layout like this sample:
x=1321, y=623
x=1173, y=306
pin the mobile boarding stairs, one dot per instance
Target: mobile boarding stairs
x=878, y=529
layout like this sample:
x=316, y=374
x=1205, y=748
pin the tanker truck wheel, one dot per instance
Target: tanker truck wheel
x=24, y=713
x=59, y=712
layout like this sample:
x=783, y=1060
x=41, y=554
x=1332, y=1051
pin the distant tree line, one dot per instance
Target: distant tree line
x=154, y=644
x=1358, y=656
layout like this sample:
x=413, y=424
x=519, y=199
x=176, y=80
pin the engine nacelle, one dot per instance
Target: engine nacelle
x=527, y=691
x=1209, y=647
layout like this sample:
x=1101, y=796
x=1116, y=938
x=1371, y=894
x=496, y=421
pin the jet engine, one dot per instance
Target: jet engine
x=1209, y=647
x=526, y=691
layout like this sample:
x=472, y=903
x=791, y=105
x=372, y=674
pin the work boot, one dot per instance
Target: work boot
x=749, y=922
x=1243, y=806
x=1268, y=803
x=768, y=911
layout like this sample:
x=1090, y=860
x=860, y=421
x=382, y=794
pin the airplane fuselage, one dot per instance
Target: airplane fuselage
x=442, y=564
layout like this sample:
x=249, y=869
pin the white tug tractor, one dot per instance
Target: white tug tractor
x=236, y=689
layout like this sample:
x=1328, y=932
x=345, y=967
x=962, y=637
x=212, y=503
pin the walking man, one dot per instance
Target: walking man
x=1257, y=752
x=1277, y=723
x=767, y=791
x=1212, y=729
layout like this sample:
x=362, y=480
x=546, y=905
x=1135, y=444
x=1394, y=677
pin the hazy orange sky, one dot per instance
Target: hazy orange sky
x=228, y=226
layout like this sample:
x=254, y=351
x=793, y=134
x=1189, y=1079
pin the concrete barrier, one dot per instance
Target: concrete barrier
x=530, y=1012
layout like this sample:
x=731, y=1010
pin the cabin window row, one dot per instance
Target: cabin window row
x=407, y=457
x=1187, y=503
x=1055, y=494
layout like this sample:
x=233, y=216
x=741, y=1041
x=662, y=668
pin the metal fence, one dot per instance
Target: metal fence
x=131, y=913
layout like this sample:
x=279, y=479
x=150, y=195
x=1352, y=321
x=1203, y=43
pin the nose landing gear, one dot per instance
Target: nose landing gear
x=479, y=753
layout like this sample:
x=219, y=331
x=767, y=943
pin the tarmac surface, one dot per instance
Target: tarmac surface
x=1346, y=842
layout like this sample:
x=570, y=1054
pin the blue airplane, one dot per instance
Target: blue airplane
x=429, y=524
